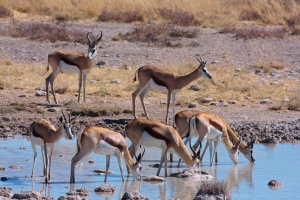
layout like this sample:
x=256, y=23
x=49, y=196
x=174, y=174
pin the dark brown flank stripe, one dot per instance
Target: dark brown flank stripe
x=69, y=62
x=158, y=81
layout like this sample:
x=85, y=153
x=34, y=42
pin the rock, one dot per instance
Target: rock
x=270, y=140
x=2, y=168
x=214, y=62
x=257, y=71
x=192, y=174
x=15, y=167
x=274, y=184
x=52, y=109
x=40, y=93
x=265, y=101
x=116, y=80
x=4, y=178
x=206, y=100
x=102, y=171
x=286, y=100
x=247, y=97
x=93, y=81
x=91, y=161
x=7, y=119
x=128, y=68
x=237, y=69
x=156, y=165
x=195, y=87
x=233, y=101
x=22, y=95
x=101, y=63
x=28, y=195
x=275, y=83
x=154, y=178
x=80, y=191
x=192, y=105
x=133, y=195
x=106, y=188
x=70, y=197
x=5, y=192
x=213, y=103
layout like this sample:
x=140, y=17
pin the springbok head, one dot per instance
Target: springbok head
x=204, y=72
x=67, y=125
x=93, y=46
x=249, y=150
x=137, y=167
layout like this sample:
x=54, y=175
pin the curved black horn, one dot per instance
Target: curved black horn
x=200, y=60
x=89, y=39
x=64, y=116
x=100, y=36
x=192, y=148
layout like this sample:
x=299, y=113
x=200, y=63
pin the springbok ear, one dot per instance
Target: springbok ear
x=74, y=118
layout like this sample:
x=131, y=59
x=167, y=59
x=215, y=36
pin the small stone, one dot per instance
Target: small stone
x=270, y=140
x=4, y=178
x=116, y=80
x=22, y=95
x=275, y=83
x=106, y=188
x=257, y=71
x=274, y=184
x=128, y=68
x=7, y=119
x=154, y=178
x=265, y=101
x=286, y=100
x=233, y=101
x=91, y=161
x=206, y=100
x=195, y=87
x=2, y=168
x=40, y=93
x=192, y=105
x=15, y=167
x=237, y=69
x=247, y=98
x=34, y=58
x=52, y=110
x=102, y=171
x=93, y=81
x=214, y=62
x=101, y=63
x=214, y=103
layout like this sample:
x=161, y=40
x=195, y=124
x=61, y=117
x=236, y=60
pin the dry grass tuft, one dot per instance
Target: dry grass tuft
x=4, y=12
x=43, y=31
x=215, y=13
x=229, y=84
x=159, y=34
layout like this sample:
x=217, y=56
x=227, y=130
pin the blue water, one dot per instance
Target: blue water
x=246, y=181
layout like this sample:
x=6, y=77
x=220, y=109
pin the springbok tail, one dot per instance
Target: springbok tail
x=46, y=70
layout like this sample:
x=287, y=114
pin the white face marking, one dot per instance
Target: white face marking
x=68, y=69
x=205, y=73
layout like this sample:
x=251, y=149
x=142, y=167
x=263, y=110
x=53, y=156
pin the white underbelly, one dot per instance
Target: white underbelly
x=148, y=141
x=213, y=133
x=39, y=141
x=103, y=148
x=68, y=69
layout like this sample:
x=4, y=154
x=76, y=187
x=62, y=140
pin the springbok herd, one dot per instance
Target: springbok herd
x=142, y=133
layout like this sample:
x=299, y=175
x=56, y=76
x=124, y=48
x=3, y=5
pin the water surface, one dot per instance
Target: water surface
x=247, y=181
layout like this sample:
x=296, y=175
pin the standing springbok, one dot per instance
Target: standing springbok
x=105, y=142
x=182, y=121
x=43, y=133
x=163, y=81
x=151, y=133
x=72, y=62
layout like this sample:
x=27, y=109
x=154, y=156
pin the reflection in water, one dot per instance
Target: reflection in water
x=237, y=175
x=246, y=180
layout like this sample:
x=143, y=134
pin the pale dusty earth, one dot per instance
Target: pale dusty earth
x=218, y=49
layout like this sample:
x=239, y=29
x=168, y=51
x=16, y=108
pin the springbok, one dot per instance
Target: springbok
x=70, y=62
x=151, y=133
x=182, y=121
x=43, y=133
x=152, y=77
x=105, y=142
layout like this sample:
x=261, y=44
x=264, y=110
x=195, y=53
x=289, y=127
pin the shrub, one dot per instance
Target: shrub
x=124, y=17
x=249, y=15
x=4, y=12
x=43, y=31
x=178, y=17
